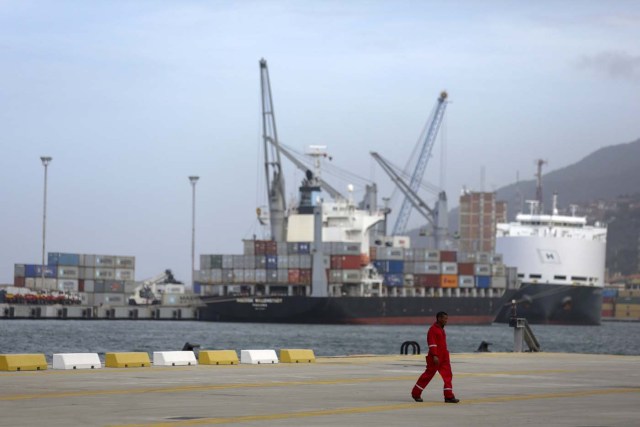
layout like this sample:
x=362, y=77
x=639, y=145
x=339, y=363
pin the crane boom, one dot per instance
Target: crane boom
x=410, y=195
x=272, y=164
x=423, y=158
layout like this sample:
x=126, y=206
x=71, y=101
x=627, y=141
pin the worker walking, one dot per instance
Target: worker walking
x=437, y=361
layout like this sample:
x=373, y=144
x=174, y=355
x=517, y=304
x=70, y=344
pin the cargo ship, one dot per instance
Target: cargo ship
x=560, y=261
x=329, y=260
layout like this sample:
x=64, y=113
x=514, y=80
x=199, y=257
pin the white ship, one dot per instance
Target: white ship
x=561, y=266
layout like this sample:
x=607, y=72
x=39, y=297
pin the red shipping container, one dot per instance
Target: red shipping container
x=81, y=285
x=426, y=280
x=18, y=282
x=259, y=247
x=305, y=276
x=351, y=262
x=271, y=247
x=294, y=276
x=466, y=269
x=336, y=262
x=448, y=256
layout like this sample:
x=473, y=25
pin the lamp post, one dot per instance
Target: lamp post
x=193, y=179
x=45, y=162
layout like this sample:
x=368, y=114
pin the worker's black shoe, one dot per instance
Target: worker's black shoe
x=417, y=399
x=451, y=400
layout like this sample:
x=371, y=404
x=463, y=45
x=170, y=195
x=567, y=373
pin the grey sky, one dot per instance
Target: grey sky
x=132, y=97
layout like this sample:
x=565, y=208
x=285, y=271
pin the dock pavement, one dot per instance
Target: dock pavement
x=496, y=389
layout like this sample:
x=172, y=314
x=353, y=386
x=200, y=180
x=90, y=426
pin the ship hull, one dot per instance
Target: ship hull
x=555, y=304
x=353, y=310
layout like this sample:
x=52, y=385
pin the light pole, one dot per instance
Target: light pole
x=45, y=162
x=193, y=179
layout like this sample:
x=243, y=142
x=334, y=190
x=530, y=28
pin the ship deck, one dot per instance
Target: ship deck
x=495, y=388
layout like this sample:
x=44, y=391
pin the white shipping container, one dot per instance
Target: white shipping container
x=18, y=270
x=68, y=285
x=68, y=272
x=483, y=257
x=202, y=276
x=124, y=274
x=261, y=275
x=449, y=268
x=125, y=262
x=392, y=254
x=105, y=261
x=272, y=276
x=466, y=282
x=498, y=270
x=305, y=260
x=89, y=286
x=499, y=282
x=482, y=269
x=104, y=273
x=293, y=261
x=351, y=276
x=283, y=261
x=238, y=275
x=130, y=286
x=426, y=267
x=282, y=248
x=36, y=283
x=402, y=241
x=409, y=267
x=216, y=275
x=227, y=261
x=205, y=262
x=466, y=257
x=249, y=247
x=250, y=275
x=283, y=276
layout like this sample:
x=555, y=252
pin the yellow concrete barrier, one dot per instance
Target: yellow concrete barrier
x=297, y=355
x=22, y=362
x=218, y=357
x=126, y=360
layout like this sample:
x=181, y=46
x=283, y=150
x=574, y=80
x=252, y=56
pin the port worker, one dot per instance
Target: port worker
x=437, y=361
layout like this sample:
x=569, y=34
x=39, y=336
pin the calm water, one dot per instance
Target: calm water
x=81, y=336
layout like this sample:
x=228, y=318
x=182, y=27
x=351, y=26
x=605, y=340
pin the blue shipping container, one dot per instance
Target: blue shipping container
x=610, y=293
x=59, y=258
x=393, y=279
x=35, y=270
x=395, y=267
x=197, y=288
x=381, y=266
x=304, y=248
x=483, y=282
x=271, y=262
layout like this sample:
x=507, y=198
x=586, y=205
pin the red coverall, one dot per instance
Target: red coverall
x=437, y=342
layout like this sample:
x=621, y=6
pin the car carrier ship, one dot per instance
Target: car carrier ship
x=560, y=261
x=331, y=262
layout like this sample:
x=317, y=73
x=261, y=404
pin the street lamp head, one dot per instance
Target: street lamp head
x=194, y=179
x=45, y=160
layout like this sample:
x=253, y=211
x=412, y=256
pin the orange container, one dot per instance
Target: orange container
x=449, y=281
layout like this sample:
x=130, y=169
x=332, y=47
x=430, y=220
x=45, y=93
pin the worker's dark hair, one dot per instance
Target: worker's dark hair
x=440, y=314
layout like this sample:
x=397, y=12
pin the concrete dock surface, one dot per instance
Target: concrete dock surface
x=496, y=389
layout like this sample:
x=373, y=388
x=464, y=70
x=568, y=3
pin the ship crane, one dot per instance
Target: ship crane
x=438, y=222
x=421, y=164
x=272, y=163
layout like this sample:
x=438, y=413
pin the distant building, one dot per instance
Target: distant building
x=479, y=214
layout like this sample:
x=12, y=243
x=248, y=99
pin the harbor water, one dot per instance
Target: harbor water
x=80, y=336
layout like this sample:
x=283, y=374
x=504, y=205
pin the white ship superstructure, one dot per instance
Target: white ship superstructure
x=554, y=249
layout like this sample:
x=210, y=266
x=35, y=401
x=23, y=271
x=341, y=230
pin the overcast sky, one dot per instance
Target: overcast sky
x=132, y=97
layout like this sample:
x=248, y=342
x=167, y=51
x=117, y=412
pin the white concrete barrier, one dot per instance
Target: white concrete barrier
x=257, y=357
x=76, y=361
x=174, y=358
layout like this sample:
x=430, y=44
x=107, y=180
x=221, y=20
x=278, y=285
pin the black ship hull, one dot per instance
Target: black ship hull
x=353, y=310
x=555, y=304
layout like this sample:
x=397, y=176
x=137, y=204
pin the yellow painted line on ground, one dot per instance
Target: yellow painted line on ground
x=378, y=408
x=196, y=388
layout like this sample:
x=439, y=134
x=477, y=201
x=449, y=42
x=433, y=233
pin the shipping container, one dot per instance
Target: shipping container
x=105, y=261
x=466, y=268
x=68, y=272
x=499, y=282
x=482, y=269
x=18, y=270
x=104, y=273
x=393, y=279
x=124, y=274
x=385, y=253
x=271, y=262
x=87, y=273
x=449, y=268
x=260, y=246
x=293, y=276
x=249, y=247
x=448, y=281
x=427, y=267
x=427, y=280
x=68, y=285
x=59, y=258
x=305, y=276
x=448, y=256
x=35, y=270
x=89, y=286
x=125, y=262
x=110, y=299
x=283, y=276
x=19, y=281
x=483, y=282
x=351, y=276
x=466, y=281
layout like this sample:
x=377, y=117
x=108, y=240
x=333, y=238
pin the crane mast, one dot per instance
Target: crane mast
x=423, y=158
x=272, y=163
